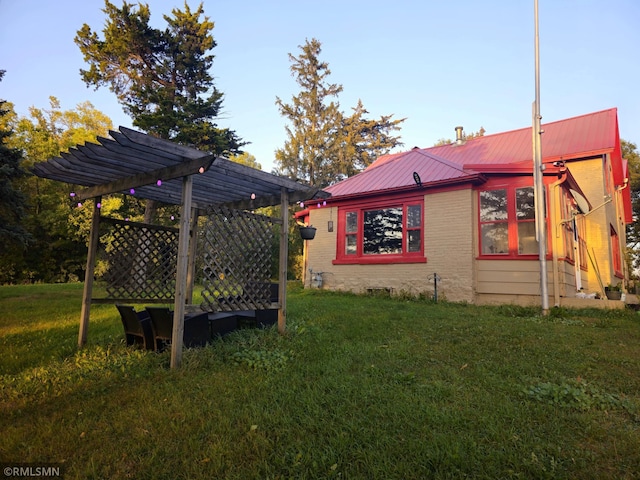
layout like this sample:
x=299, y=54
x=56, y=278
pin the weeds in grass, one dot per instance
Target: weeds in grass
x=267, y=360
x=577, y=394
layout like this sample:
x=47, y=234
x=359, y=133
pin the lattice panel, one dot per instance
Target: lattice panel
x=237, y=261
x=141, y=261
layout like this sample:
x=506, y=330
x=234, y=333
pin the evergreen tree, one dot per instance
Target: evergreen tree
x=12, y=200
x=315, y=119
x=161, y=77
x=365, y=139
x=323, y=145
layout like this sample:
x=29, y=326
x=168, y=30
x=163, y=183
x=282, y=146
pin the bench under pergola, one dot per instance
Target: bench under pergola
x=154, y=264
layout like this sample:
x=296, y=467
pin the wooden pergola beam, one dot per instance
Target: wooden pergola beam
x=186, y=168
x=268, y=200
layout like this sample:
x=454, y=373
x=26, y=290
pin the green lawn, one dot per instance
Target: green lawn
x=359, y=388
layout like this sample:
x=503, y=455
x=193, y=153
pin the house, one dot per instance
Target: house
x=463, y=213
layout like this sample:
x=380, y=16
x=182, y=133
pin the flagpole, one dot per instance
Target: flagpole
x=538, y=178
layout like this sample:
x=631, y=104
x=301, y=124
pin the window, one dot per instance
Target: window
x=615, y=251
x=382, y=231
x=351, y=232
x=381, y=234
x=526, y=219
x=493, y=222
x=507, y=222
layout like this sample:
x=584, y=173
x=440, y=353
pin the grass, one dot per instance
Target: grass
x=361, y=387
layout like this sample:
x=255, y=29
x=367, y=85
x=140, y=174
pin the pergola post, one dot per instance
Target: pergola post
x=284, y=254
x=87, y=293
x=181, y=273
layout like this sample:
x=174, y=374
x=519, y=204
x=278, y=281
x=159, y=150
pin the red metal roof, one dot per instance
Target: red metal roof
x=397, y=172
x=573, y=138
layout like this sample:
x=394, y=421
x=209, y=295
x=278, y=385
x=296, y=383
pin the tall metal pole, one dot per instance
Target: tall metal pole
x=538, y=177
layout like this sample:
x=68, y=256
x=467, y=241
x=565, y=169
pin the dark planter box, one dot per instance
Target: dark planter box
x=613, y=294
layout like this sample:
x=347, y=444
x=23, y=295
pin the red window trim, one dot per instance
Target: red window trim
x=378, y=259
x=616, y=254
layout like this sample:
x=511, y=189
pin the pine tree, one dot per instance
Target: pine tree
x=323, y=145
x=315, y=119
x=161, y=77
x=12, y=200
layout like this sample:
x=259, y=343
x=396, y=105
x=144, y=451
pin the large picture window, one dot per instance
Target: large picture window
x=507, y=221
x=381, y=234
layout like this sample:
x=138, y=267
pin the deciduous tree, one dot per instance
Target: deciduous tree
x=58, y=249
x=465, y=136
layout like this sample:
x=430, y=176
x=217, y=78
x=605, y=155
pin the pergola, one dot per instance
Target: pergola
x=137, y=164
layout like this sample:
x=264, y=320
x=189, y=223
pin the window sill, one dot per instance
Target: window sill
x=379, y=260
x=509, y=257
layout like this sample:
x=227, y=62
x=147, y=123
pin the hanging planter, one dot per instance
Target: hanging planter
x=307, y=233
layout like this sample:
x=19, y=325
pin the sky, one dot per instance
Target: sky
x=438, y=64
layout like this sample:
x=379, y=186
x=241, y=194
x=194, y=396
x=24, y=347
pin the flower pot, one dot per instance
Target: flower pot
x=613, y=294
x=307, y=233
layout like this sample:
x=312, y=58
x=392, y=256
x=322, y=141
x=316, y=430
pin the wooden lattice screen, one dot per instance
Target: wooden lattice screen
x=139, y=261
x=237, y=260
